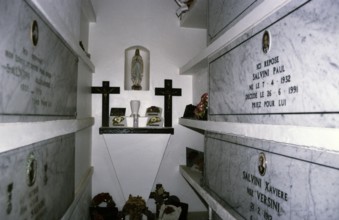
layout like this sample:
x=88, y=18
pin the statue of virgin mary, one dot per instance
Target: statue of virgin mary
x=137, y=70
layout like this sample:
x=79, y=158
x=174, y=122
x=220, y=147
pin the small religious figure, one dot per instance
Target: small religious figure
x=201, y=109
x=137, y=70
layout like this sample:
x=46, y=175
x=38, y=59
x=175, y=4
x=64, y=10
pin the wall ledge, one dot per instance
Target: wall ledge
x=79, y=193
x=317, y=137
x=32, y=132
x=221, y=208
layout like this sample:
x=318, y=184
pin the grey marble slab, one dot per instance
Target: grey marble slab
x=295, y=82
x=223, y=14
x=37, y=181
x=298, y=183
x=38, y=71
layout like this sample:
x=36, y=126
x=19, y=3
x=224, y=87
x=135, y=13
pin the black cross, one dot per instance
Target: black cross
x=105, y=90
x=168, y=92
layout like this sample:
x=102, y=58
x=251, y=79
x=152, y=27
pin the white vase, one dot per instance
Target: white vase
x=135, y=105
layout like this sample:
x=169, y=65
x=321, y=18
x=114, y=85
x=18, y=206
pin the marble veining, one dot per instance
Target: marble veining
x=51, y=192
x=36, y=79
x=299, y=183
x=65, y=16
x=297, y=79
x=223, y=14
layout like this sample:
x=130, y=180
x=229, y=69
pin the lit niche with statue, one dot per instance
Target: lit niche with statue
x=137, y=68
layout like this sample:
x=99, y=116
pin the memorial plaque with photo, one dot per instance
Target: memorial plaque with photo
x=285, y=68
x=38, y=71
x=37, y=181
x=268, y=180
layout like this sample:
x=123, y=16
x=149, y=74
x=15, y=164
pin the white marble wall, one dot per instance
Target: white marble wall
x=299, y=183
x=48, y=190
x=223, y=14
x=37, y=79
x=300, y=82
x=63, y=17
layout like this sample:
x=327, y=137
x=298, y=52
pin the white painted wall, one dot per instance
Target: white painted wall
x=154, y=25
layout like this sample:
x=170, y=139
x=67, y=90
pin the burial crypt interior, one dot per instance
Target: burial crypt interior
x=169, y=109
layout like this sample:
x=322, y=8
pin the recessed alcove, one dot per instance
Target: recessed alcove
x=137, y=68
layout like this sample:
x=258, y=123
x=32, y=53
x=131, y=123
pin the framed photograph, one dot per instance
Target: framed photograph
x=266, y=42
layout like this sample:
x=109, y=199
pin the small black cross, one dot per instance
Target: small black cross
x=168, y=92
x=105, y=90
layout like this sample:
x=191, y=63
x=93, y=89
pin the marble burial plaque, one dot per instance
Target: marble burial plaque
x=38, y=73
x=286, y=68
x=268, y=180
x=37, y=182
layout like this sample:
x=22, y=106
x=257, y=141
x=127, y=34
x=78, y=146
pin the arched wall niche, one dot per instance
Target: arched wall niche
x=137, y=66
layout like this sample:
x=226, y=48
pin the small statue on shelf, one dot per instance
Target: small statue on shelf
x=200, y=112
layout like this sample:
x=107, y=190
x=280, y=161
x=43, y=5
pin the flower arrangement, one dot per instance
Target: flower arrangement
x=102, y=213
x=200, y=112
x=103, y=197
x=134, y=207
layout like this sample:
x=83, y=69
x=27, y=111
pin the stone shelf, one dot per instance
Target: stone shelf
x=317, y=137
x=42, y=131
x=195, y=124
x=131, y=130
x=222, y=209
